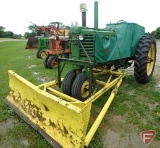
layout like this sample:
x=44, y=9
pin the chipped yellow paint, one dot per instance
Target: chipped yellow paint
x=63, y=121
x=63, y=118
x=103, y=112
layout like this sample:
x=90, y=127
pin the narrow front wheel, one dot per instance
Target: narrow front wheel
x=80, y=87
x=68, y=81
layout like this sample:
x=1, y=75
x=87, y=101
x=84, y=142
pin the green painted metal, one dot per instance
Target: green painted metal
x=96, y=15
x=114, y=45
x=127, y=37
x=43, y=43
x=84, y=50
x=115, y=42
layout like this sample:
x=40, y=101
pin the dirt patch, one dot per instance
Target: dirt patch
x=8, y=124
x=120, y=134
x=44, y=80
x=35, y=73
x=114, y=140
x=4, y=128
x=31, y=66
x=8, y=141
x=30, y=57
x=25, y=142
x=157, y=64
x=158, y=84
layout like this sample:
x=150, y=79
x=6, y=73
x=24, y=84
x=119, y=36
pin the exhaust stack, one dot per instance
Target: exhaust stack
x=96, y=15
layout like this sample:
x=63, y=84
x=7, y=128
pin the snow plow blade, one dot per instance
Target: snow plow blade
x=62, y=120
x=50, y=115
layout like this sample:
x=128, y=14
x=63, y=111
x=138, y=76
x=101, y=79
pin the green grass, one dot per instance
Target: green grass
x=15, y=57
x=22, y=38
x=138, y=104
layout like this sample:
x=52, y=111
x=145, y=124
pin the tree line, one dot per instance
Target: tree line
x=8, y=34
x=156, y=33
x=32, y=28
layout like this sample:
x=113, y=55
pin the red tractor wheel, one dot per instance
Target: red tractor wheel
x=52, y=61
x=46, y=60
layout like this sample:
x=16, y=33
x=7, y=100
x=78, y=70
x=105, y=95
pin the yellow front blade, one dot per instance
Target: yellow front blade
x=61, y=122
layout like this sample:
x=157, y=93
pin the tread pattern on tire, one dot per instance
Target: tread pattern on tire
x=45, y=61
x=68, y=81
x=78, y=82
x=37, y=53
x=141, y=57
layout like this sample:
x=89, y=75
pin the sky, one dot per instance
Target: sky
x=16, y=15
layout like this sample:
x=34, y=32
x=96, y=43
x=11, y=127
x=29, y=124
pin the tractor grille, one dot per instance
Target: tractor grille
x=88, y=45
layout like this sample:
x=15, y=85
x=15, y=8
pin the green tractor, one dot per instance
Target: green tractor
x=43, y=45
x=115, y=47
x=62, y=116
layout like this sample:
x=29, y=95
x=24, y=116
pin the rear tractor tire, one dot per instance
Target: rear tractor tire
x=145, y=58
x=80, y=87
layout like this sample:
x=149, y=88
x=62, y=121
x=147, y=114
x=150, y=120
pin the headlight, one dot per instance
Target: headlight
x=80, y=37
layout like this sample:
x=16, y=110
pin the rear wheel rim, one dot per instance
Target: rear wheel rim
x=54, y=63
x=150, y=60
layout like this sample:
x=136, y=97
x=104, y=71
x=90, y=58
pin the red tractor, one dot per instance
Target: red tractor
x=56, y=48
x=57, y=44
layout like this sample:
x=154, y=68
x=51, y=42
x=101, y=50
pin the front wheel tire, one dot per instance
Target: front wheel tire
x=68, y=81
x=80, y=87
x=42, y=54
x=37, y=53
